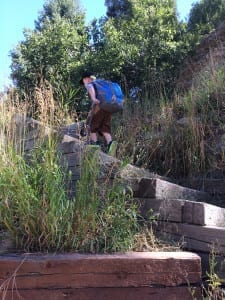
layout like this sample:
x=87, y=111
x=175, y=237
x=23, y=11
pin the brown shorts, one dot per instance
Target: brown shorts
x=100, y=122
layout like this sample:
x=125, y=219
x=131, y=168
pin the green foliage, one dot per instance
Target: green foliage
x=37, y=212
x=144, y=48
x=108, y=218
x=34, y=206
x=118, y=8
x=140, y=44
x=205, y=16
x=51, y=53
x=119, y=221
x=214, y=288
x=54, y=10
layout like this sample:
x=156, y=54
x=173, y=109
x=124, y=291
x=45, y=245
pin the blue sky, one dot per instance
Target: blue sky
x=15, y=15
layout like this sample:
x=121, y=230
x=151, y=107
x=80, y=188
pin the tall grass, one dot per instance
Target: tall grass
x=178, y=137
x=35, y=207
x=12, y=115
x=108, y=220
x=36, y=210
x=47, y=110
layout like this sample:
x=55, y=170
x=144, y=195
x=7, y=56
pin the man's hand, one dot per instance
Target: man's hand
x=95, y=101
x=92, y=95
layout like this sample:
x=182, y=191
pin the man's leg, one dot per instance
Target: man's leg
x=93, y=137
x=111, y=145
x=107, y=137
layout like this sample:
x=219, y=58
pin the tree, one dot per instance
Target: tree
x=143, y=48
x=53, y=51
x=205, y=16
x=118, y=8
x=54, y=10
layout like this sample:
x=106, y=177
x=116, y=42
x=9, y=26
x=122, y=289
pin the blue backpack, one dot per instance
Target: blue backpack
x=110, y=95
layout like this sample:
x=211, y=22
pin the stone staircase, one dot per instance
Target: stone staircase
x=183, y=213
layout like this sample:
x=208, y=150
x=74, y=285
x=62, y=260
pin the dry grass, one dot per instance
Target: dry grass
x=34, y=204
x=177, y=137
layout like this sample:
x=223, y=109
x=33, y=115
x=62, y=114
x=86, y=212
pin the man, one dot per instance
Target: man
x=98, y=119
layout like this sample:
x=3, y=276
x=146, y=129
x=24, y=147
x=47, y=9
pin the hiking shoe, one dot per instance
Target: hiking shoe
x=112, y=147
x=93, y=148
x=94, y=145
x=83, y=132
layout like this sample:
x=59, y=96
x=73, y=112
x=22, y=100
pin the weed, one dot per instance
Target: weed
x=213, y=289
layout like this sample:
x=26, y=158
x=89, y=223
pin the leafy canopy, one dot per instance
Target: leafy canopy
x=53, y=50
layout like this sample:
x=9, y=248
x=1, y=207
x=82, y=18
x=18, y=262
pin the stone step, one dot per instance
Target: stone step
x=183, y=211
x=72, y=151
x=167, y=210
x=73, y=130
x=135, y=275
x=194, y=237
x=144, y=293
x=149, y=185
x=203, y=214
x=161, y=189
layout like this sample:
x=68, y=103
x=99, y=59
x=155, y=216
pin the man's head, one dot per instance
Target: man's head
x=87, y=77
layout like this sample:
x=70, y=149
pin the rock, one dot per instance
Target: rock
x=158, y=188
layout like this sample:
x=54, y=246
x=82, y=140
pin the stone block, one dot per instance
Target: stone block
x=158, y=188
x=196, y=238
x=164, y=209
x=203, y=214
